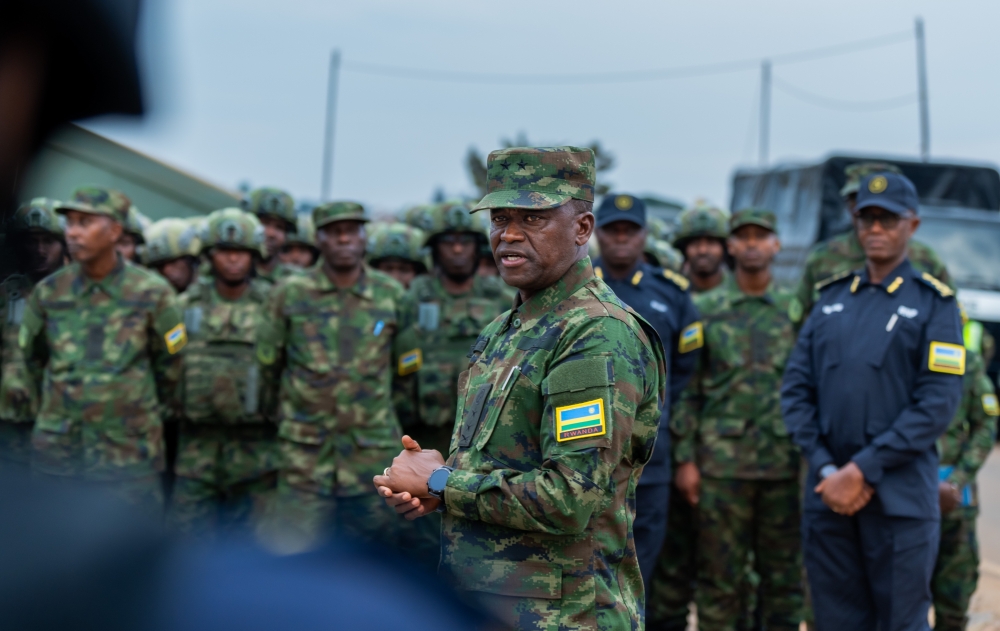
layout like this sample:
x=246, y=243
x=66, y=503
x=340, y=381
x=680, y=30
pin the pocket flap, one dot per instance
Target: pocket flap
x=377, y=437
x=579, y=374
x=522, y=579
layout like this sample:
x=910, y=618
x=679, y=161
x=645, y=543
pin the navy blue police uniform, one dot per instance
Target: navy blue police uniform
x=875, y=378
x=661, y=297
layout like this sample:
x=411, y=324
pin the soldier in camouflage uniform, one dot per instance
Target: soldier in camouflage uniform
x=327, y=337
x=557, y=416
x=37, y=231
x=172, y=247
x=728, y=427
x=842, y=254
x=133, y=237
x=300, y=249
x=227, y=455
x=963, y=449
x=701, y=238
x=276, y=211
x=448, y=310
x=658, y=250
x=397, y=249
x=107, y=336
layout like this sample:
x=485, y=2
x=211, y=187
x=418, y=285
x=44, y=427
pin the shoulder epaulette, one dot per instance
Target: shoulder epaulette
x=829, y=281
x=941, y=288
x=677, y=279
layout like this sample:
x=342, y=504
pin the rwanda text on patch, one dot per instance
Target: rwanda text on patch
x=581, y=420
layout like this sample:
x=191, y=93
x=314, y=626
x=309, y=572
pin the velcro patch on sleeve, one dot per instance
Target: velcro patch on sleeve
x=692, y=338
x=947, y=358
x=580, y=420
x=176, y=338
x=990, y=405
x=410, y=362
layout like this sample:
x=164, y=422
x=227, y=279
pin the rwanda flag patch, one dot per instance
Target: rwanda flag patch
x=692, y=338
x=410, y=362
x=175, y=338
x=581, y=420
x=949, y=358
x=990, y=405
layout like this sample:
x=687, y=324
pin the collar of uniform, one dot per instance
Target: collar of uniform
x=634, y=275
x=578, y=275
x=362, y=288
x=110, y=284
x=892, y=281
x=736, y=295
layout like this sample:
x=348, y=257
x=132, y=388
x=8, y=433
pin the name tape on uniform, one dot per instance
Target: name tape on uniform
x=410, y=362
x=947, y=358
x=692, y=338
x=580, y=420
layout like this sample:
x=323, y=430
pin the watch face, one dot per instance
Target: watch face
x=437, y=480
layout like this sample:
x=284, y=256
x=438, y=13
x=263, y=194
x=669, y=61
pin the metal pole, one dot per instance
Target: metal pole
x=765, y=110
x=925, y=116
x=331, y=119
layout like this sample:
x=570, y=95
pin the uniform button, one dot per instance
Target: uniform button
x=517, y=323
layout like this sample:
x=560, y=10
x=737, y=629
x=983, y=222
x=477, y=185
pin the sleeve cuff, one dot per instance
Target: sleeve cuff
x=460, y=493
x=683, y=451
x=868, y=462
x=819, y=458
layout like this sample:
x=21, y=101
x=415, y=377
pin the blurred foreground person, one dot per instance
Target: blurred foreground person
x=448, y=309
x=130, y=244
x=396, y=249
x=300, y=251
x=875, y=378
x=736, y=462
x=963, y=449
x=276, y=211
x=661, y=297
x=701, y=238
x=557, y=416
x=227, y=455
x=171, y=249
x=37, y=236
x=106, y=336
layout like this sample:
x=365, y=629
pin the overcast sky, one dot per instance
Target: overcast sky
x=237, y=88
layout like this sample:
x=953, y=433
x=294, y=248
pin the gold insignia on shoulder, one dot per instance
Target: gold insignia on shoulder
x=826, y=281
x=623, y=202
x=855, y=283
x=990, y=405
x=410, y=362
x=878, y=184
x=598, y=272
x=581, y=420
x=942, y=289
x=677, y=279
x=895, y=284
x=176, y=338
x=636, y=277
x=691, y=338
x=946, y=358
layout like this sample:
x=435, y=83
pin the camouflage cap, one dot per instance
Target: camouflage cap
x=274, y=202
x=304, y=233
x=538, y=177
x=753, y=217
x=396, y=240
x=38, y=215
x=701, y=220
x=169, y=239
x=338, y=211
x=136, y=223
x=98, y=201
x=234, y=228
x=859, y=170
x=450, y=216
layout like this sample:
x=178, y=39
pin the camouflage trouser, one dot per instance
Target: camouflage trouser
x=225, y=475
x=957, y=569
x=672, y=587
x=15, y=445
x=736, y=517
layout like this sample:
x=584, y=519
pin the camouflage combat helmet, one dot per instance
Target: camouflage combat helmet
x=136, y=223
x=450, y=216
x=304, y=234
x=169, y=239
x=660, y=229
x=701, y=220
x=274, y=202
x=665, y=255
x=98, y=201
x=417, y=216
x=233, y=228
x=397, y=240
x=860, y=170
x=38, y=215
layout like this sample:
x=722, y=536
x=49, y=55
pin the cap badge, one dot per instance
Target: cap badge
x=623, y=202
x=878, y=184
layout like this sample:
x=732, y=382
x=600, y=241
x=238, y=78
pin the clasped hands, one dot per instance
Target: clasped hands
x=845, y=491
x=405, y=486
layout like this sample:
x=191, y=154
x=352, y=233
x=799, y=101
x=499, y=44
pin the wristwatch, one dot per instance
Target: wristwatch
x=438, y=480
x=827, y=470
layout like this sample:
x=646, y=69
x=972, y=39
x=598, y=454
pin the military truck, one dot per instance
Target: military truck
x=959, y=209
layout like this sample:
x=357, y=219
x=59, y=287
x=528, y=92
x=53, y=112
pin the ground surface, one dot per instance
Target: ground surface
x=985, y=609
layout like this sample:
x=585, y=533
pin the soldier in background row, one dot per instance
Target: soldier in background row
x=397, y=249
x=133, y=238
x=299, y=251
x=276, y=211
x=227, y=457
x=701, y=238
x=172, y=248
x=107, y=336
x=37, y=234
